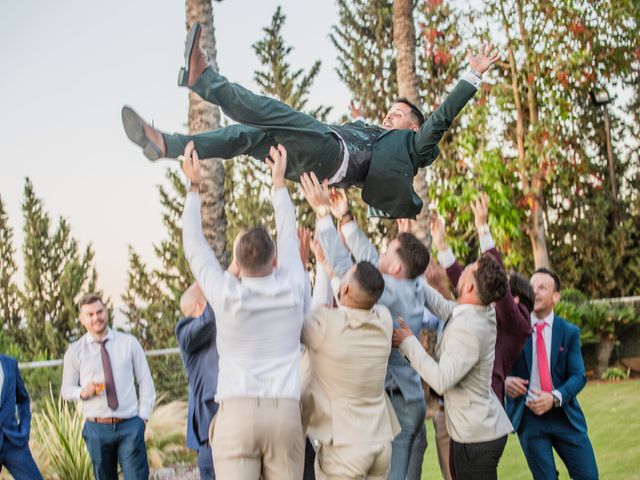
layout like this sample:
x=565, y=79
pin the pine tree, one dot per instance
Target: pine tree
x=366, y=59
x=56, y=274
x=10, y=314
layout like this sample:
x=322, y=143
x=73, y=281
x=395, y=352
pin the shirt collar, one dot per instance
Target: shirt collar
x=91, y=339
x=258, y=281
x=548, y=319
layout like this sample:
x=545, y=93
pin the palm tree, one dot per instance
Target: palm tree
x=204, y=116
x=404, y=42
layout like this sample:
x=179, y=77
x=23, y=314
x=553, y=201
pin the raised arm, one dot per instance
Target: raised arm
x=511, y=317
x=203, y=263
x=285, y=213
x=431, y=131
x=436, y=303
x=335, y=252
x=193, y=333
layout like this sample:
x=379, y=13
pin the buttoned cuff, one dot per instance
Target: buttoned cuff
x=75, y=393
x=446, y=258
x=324, y=223
x=472, y=78
x=486, y=242
x=557, y=394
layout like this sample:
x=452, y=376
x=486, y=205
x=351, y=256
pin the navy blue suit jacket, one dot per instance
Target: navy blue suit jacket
x=197, y=343
x=567, y=373
x=13, y=395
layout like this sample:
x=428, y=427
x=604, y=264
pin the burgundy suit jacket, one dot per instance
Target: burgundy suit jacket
x=513, y=328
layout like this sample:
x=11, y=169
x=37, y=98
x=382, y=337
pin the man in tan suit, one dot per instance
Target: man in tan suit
x=461, y=372
x=345, y=407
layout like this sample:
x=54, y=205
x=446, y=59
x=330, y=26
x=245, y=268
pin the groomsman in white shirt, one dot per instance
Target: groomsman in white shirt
x=100, y=371
x=259, y=302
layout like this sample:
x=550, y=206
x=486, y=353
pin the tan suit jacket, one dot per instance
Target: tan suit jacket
x=343, y=399
x=462, y=372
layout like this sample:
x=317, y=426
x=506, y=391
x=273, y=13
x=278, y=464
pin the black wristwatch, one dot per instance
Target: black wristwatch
x=556, y=400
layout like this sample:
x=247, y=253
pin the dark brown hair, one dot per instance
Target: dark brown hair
x=552, y=274
x=255, y=249
x=413, y=253
x=370, y=281
x=491, y=279
x=88, y=299
x=414, y=109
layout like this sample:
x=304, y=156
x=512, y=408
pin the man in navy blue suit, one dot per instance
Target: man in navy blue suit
x=541, y=393
x=14, y=432
x=196, y=334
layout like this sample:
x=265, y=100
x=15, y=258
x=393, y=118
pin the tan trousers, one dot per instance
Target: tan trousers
x=442, y=443
x=370, y=461
x=255, y=438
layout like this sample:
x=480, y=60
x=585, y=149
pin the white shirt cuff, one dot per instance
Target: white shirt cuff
x=486, y=242
x=446, y=258
x=335, y=287
x=472, y=78
x=348, y=228
x=556, y=393
x=324, y=223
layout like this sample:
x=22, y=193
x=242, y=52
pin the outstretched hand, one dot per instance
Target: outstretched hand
x=191, y=164
x=277, y=161
x=437, y=232
x=355, y=110
x=482, y=61
x=401, y=333
x=316, y=193
x=481, y=210
x=405, y=225
x=338, y=202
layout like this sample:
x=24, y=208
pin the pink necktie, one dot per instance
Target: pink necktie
x=543, y=365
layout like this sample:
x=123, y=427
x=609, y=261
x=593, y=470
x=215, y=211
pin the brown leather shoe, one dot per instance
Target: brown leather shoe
x=143, y=134
x=195, y=60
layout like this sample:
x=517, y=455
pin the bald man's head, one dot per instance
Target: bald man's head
x=193, y=301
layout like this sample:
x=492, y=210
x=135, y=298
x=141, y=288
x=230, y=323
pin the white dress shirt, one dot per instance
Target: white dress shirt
x=534, y=381
x=83, y=365
x=258, y=319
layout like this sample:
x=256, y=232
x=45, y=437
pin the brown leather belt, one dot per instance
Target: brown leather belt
x=109, y=420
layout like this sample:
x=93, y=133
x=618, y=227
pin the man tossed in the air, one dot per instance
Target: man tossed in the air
x=380, y=160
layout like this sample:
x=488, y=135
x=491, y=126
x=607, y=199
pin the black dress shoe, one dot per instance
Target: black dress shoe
x=134, y=128
x=183, y=76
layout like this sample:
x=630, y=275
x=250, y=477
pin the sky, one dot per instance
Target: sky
x=68, y=67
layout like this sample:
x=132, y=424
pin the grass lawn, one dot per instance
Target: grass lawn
x=613, y=418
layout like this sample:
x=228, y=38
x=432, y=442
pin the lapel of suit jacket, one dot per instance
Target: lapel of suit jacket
x=528, y=352
x=557, y=336
x=5, y=381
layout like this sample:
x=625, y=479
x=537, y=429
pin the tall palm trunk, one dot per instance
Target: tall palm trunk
x=205, y=116
x=404, y=41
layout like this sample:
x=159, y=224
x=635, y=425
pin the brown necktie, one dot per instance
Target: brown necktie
x=109, y=384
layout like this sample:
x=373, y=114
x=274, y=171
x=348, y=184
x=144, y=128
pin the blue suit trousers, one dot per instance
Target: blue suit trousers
x=540, y=435
x=19, y=462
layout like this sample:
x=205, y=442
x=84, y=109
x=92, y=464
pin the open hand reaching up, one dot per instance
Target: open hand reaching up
x=482, y=61
x=277, y=161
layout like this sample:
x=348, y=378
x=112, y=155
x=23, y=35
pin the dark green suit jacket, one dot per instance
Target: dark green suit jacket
x=398, y=154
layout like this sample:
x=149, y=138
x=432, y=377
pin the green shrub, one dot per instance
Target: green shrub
x=615, y=373
x=58, y=433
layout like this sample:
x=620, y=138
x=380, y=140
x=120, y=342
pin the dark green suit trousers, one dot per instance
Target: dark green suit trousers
x=263, y=122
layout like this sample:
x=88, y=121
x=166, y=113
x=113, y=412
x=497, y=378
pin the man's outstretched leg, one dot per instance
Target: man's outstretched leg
x=224, y=142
